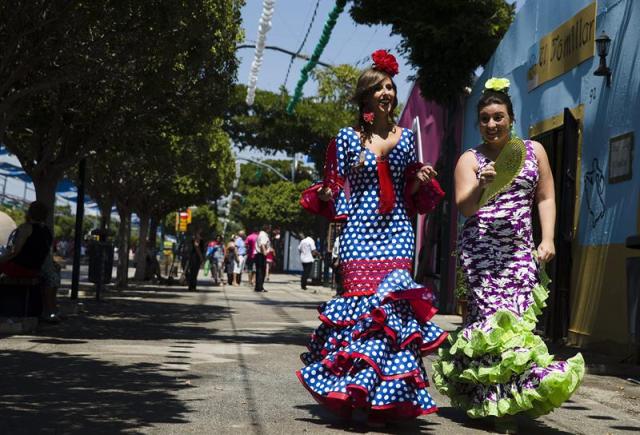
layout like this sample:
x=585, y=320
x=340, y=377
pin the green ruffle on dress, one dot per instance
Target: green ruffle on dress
x=500, y=367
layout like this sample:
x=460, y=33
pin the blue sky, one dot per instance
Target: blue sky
x=349, y=43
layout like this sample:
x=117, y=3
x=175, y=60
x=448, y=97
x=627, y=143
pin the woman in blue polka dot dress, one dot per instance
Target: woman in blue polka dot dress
x=367, y=351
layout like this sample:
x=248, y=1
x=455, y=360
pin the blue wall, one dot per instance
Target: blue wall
x=608, y=212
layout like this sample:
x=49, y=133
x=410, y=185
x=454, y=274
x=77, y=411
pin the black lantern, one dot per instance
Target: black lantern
x=602, y=45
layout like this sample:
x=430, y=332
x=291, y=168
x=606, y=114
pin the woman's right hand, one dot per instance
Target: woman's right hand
x=487, y=175
x=325, y=194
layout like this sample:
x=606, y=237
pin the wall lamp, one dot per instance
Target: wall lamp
x=602, y=45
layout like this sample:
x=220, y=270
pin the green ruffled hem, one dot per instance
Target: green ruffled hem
x=554, y=389
x=512, y=362
x=507, y=333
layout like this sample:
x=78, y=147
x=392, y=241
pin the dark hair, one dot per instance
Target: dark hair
x=490, y=97
x=369, y=79
x=38, y=211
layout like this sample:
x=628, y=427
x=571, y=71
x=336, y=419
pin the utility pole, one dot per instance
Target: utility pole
x=77, y=242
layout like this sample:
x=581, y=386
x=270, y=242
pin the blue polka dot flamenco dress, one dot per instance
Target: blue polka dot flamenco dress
x=367, y=351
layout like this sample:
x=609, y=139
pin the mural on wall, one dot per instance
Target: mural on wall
x=594, y=183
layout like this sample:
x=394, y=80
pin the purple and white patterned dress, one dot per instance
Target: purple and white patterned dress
x=496, y=364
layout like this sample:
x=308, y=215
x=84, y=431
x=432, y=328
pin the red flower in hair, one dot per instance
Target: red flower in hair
x=384, y=61
x=369, y=117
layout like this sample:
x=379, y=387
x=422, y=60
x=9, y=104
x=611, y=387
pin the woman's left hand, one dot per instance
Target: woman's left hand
x=425, y=174
x=546, y=251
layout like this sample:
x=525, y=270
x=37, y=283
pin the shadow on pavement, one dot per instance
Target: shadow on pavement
x=523, y=424
x=62, y=393
x=145, y=319
x=312, y=305
x=325, y=418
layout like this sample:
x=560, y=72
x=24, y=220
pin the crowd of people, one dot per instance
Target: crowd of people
x=224, y=261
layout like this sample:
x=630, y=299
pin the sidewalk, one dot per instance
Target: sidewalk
x=162, y=360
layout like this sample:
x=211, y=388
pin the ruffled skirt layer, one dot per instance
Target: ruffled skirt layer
x=498, y=366
x=367, y=351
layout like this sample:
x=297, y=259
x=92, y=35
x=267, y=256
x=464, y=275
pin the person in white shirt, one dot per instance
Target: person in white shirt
x=263, y=245
x=307, y=250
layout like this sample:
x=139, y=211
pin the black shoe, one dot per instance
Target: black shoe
x=303, y=288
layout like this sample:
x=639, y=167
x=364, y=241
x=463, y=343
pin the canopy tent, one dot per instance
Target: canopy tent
x=16, y=186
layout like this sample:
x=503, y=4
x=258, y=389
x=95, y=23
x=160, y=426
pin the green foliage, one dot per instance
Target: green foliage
x=253, y=175
x=445, y=40
x=337, y=85
x=92, y=78
x=65, y=223
x=277, y=204
x=268, y=127
x=16, y=213
x=204, y=218
x=165, y=173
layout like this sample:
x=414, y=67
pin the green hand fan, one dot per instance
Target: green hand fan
x=508, y=165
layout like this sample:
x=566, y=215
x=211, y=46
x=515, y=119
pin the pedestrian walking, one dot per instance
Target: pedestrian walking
x=496, y=365
x=250, y=246
x=367, y=353
x=218, y=261
x=195, y=259
x=307, y=251
x=335, y=265
x=241, y=251
x=263, y=244
x=231, y=263
x=271, y=262
x=167, y=256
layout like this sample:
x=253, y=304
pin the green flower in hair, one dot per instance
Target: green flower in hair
x=497, y=84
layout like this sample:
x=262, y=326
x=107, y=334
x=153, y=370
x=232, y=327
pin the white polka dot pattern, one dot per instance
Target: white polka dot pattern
x=366, y=353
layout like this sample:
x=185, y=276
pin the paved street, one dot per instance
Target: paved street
x=160, y=360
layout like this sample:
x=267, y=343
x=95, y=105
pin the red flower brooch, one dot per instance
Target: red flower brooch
x=384, y=61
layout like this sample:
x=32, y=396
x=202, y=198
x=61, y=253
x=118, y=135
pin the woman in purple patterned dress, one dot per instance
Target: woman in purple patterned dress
x=496, y=365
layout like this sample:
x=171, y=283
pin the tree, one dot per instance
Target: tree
x=278, y=205
x=129, y=66
x=444, y=40
x=337, y=85
x=268, y=127
x=254, y=175
x=159, y=174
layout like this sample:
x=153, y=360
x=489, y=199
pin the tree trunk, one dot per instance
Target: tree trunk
x=45, y=184
x=124, y=233
x=141, y=252
x=153, y=230
x=105, y=216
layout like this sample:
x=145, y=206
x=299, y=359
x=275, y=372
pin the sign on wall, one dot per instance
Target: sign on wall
x=620, y=158
x=563, y=49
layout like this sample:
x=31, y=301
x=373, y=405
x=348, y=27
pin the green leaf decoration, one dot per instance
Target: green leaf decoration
x=508, y=165
x=324, y=39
